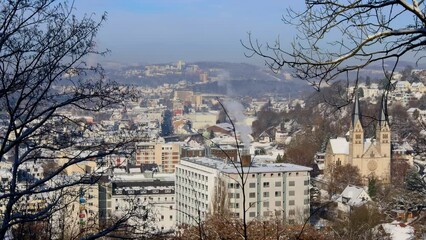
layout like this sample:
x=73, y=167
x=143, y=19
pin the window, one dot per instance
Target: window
x=266, y=204
x=266, y=184
x=306, y=182
x=291, y=183
x=265, y=194
x=277, y=184
x=237, y=195
x=291, y=202
x=266, y=213
x=171, y=217
x=230, y=185
x=306, y=192
x=252, y=195
x=277, y=194
x=252, y=185
x=291, y=212
x=306, y=201
x=277, y=203
x=291, y=193
x=252, y=214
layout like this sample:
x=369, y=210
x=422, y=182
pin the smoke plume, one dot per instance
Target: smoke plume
x=236, y=112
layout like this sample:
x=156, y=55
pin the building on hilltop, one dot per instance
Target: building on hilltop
x=371, y=156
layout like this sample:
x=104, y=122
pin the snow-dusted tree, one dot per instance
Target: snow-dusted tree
x=415, y=182
x=44, y=78
x=335, y=38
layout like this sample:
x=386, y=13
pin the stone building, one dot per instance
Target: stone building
x=371, y=156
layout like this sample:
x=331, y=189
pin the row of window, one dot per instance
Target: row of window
x=192, y=185
x=190, y=174
x=265, y=194
x=266, y=184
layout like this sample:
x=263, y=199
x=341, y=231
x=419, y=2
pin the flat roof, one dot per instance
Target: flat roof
x=221, y=166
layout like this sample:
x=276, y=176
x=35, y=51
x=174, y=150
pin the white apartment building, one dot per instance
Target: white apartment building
x=272, y=190
x=149, y=197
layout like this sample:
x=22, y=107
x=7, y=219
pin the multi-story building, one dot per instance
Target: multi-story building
x=206, y=185
x=148, y=198
x=165, y=155
x=79, y=212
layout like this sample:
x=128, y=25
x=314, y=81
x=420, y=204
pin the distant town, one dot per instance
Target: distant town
x=195, y=149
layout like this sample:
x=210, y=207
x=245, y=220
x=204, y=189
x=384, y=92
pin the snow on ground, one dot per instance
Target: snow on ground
x=398, y=231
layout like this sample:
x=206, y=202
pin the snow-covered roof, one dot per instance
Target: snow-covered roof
x=339, y=145
x=264, y=159
x=221, y=166
x=354, y=196
x=417, y=84
x=225, y=126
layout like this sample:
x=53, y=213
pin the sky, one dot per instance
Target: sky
x=163, y=31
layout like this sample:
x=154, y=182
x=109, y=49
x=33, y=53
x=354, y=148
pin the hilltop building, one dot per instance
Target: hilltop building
x=371, y=156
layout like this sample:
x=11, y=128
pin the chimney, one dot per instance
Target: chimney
x=245, y=158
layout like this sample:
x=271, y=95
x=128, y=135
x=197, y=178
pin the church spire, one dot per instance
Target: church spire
x=356, y=112
x=383, y=114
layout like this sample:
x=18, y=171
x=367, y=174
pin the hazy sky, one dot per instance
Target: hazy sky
x=158, y=31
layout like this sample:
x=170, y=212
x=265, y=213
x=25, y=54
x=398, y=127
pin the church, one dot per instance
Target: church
x=372, y=156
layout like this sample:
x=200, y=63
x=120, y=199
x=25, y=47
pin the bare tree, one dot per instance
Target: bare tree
x=341, y=176
x=44, y=76
x=335, y=38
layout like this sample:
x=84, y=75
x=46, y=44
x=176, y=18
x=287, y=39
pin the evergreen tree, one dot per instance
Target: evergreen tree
x=372, y=187
x=414, y=182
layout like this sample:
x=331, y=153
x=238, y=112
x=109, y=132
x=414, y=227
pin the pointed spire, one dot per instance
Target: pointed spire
x=383, y=114
x=356, y=111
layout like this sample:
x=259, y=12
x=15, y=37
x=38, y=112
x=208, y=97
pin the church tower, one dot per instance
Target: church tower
x=383, y=137
x=356, y=133
x=371, y=156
